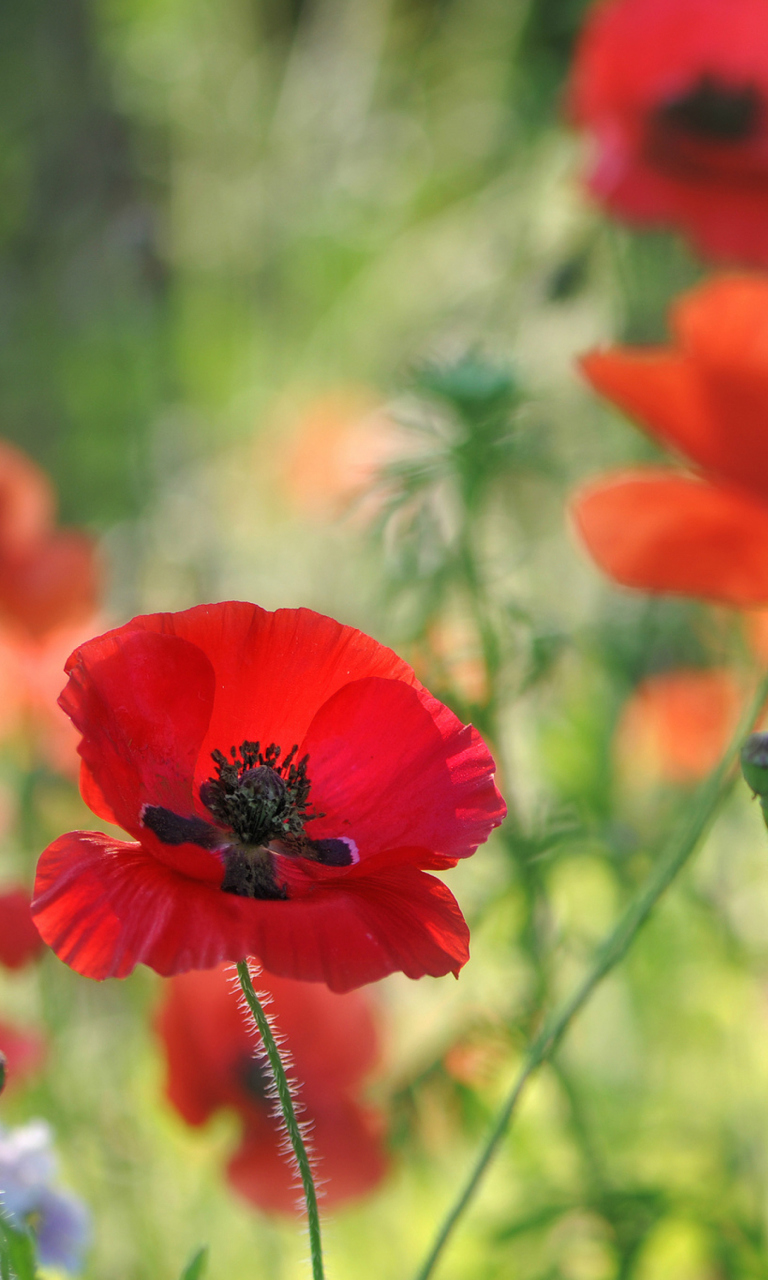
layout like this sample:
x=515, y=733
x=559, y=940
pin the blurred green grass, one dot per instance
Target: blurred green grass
x=213, y=215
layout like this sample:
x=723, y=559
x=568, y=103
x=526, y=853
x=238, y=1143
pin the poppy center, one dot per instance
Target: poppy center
x=259, y=805
x=260, y=798
x=714, y=112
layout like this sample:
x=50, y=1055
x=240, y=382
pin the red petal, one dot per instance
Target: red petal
x=332, y=1040
x=661, y=532
x=103, y=906
x=27, y=502
x=91, y=793
x=273, y=670
x=348, y=1160
x=710, y=398
x=142, y=703
x=20, y=941
x=663, y=391
x=51, y=584
x=676, y=725
x=24, y=1052
x=391, y=766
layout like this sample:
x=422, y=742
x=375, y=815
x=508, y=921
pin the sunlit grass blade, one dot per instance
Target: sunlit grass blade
x=196, y=1267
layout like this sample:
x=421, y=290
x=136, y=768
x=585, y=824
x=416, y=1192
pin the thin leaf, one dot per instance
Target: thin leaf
x=195, y=1269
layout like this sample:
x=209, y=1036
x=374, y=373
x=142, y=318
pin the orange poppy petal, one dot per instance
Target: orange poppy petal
x=725, y=322
x=676, y=725
x=660, y=389
x=660, y=532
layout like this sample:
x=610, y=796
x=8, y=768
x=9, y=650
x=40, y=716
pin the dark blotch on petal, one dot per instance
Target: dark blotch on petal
x=249, y=873
x=172, y=828
x=332, y=853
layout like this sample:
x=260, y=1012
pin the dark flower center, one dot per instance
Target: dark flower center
x=260, y=798
x=262, y=804
x=714, y=112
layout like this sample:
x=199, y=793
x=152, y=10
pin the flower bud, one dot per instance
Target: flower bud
x=754, y=763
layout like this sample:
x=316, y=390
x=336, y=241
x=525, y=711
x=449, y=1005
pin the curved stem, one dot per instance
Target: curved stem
x=289, y=1115
x=707, y=801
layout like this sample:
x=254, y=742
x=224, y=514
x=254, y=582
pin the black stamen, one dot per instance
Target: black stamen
x=255, y=795
x=172, y=828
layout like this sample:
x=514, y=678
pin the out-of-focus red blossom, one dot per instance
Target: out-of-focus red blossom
x=706, y=397
x=476, y=1059
x=24, y=1053
x=340, y=443
x=312, y=860
x=20, y=941
x=48, y=576
x=674, y=94
x=676, y=726
x=333, y=1044
x=30, y=682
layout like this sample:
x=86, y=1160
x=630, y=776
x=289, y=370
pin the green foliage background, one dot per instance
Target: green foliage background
x=212, y=215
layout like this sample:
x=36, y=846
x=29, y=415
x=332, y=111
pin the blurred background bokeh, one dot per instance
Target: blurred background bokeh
x=291, y=293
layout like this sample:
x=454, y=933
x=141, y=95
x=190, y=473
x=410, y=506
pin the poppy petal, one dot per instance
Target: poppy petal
x=27, y=500
x=53, y=583
x=348, y=1160
x=662, y=391
x=104, y=906
x=708, y=399
x=24, y=1052
x=142, y=704
x=273, y=670
x=332, y=1041
x=400, y=769
x=20, y=941
x=661, y=532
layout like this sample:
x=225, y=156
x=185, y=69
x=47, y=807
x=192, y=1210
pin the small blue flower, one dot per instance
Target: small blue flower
x=60, y=1222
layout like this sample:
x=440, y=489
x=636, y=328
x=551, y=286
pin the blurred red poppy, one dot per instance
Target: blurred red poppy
x=333, y=1045
x=48, y=576
x=24, y=1052
x=20, y=941
x=674, y=94
x=676, y=726
x=312, y=858
x=30, y=681
x=707, y=397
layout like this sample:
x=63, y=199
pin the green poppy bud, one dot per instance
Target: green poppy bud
x=754, y=763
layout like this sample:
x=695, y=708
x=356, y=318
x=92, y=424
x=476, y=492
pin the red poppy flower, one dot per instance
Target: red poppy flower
x=674, y=94
x=48, y=576
x=707, y=397
x=24, y=1052
x=305, y=845
x=333, y=1045
x=20, y=941
x=676, y=726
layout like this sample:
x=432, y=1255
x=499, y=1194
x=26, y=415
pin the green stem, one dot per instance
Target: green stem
x=708, y=800
x=289, y=1115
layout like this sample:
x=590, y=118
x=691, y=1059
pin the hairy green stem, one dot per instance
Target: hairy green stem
x=289, y=1115
x=706, y=803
